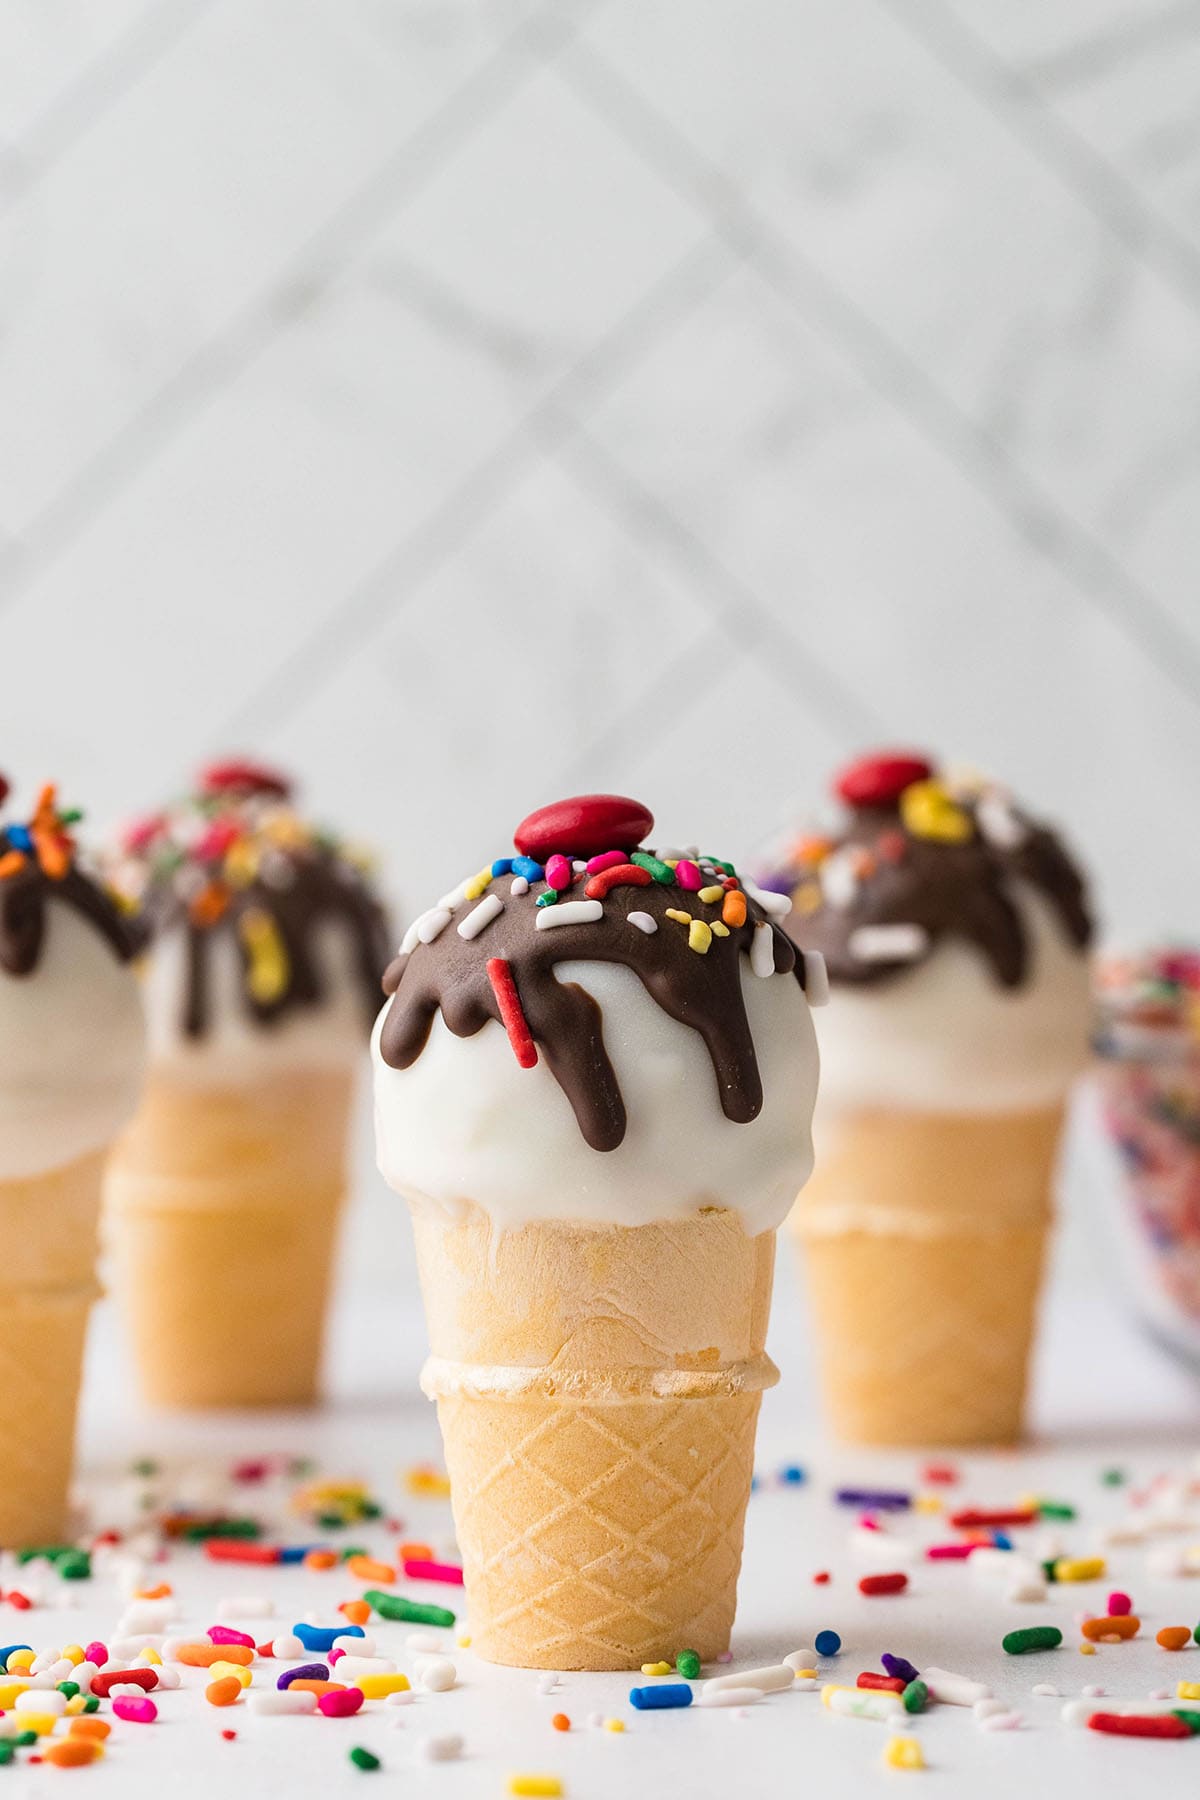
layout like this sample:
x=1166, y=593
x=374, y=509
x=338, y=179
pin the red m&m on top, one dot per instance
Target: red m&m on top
x=238, y=775
x=583, y=826
x=880, y=780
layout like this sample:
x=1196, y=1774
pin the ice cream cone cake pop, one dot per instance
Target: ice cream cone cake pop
x=593, y=1080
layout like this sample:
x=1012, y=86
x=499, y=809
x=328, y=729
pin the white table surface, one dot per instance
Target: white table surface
x=1103, y=1396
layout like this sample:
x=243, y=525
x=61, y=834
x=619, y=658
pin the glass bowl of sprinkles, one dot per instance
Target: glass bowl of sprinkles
x=1148, y=1042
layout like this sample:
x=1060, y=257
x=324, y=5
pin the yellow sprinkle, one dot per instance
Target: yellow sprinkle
x=535, y=1784
x=8, y=1693
x=242, y=862
x=20, y=1659
x=928, y=812
x=718, y=929
x=42, y=1723
x=463, y=1640
x=478, y=884
x=1188, y=1690
x=614, y=1724
x=76, y=1703
x=269, y=967
x=1079, y=1568
x=73, y=1652
x=710, y=895
x=377, y=1687
x=1086, y=1649
x=149, y=1656
x=658, y=1668
x=927, y=1503
x=699, y=936
x=427, y=1483
x=683, y=918
x=903, y=1753
x=807, y=897
x=806, y=1674
x=219, y=1670
x=672, y=862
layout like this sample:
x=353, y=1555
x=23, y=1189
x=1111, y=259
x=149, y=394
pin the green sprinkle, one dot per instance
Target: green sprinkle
x=1196, y=1634
x=915, y=1696
x=660, y=871
x=411, y=1612
x=69, y=1688
x=549, y=898
x=688, y=1664
x=1049, y=1568
x=1032, y=1637
x=371, y=1509
x=146, y=1466
x=91, y=1704
x=331, y=1521
x=74, y=1565
x=1190, y=1717
x=1113, y=1477
x=354, y=1550
x=6, y=1751
x=363, y=1759
x=726, y=868
x=1056, y=1509
x=51, y=1552
x=23, y=1739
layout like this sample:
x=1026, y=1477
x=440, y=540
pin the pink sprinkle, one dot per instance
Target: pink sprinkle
x=559, y=873
x=607, y=859
x=225, y=1634
x=335, y=1656
x=687, y=874
x=725, y=1656
x=97, y=1653
x=868, y=1523
x=1119, y=1605
x=434, y=1571
x=139, y=1712
x=341, y=1704
x=949, y=1552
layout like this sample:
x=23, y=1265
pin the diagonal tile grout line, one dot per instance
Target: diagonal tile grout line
x=223, y=357
x=736, y=609
x=1033, y=514
x=378, y=596
x=111, y=75
x=1014, y=99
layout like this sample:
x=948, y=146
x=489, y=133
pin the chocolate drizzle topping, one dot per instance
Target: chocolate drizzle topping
x=946, y=889
x=702, y=991
x=24, y=897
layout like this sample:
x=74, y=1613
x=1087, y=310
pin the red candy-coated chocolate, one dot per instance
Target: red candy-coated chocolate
x=237, y=775
x=881, y=779
x=583, y=826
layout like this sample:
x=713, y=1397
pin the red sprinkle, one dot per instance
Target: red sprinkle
x=949, y=1552
x=512, y=1015
x=237, y=775
x=240, y=1550
x=21, y=1601
x=822, y=1577
x=884, y=1584
x=228, y=1735
x=267, y=1650
x=417, y=1569
x=972, y=1518
x=1152, y=1725
x=621, y=874
x=880, y=780
x=146, y=1679
x=891, y=1683
x=938, y=1474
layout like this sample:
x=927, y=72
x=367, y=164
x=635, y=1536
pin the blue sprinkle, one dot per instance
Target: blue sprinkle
x=304, y=1672
x=7, y=1651
x=755, y=1484
x=827, y=1643
x=1001, y=1540
x=792, y=1475
x=525, y=865
x=323, y=1637
x=874, y=1499
x=19, y=839
x=899, y=1665
x=658, y=1699
x=502, y=866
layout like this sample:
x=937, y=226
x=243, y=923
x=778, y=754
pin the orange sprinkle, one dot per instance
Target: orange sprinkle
x=202, y=1656
x=321, y=1559
x=226, y=1692
x=317, y=1687
x=561, y=1722
x=365, y=1568
x=72, y=1752
x=1122, y=1625
x=733, y=908
x=209, y=905
x=357, y=1611
x=90, y=1727
x=812, y=850
x=161, y=1592
x=415, y=1553
x=1173, y=1637
x=11, y=863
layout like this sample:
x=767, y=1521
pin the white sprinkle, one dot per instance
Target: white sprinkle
x=888, y=943
x=1031, y=1589
x=1159, y=1694
x=246, y=1606
x=1092, y=1691
x=839, y=882
x=62, y=1670
x=282, y=1700
x=440, y=1749
x=778, y=905
x=438, y=1675
x=84, y=1672
x=411, y=938
x=578, y=865
x=999, y=824
x=287, y=1647
x=431, y=925
x=45, y=1660
x=769, y=1681
x=403, y=1697
x=546, y=1684
x=349, y=1668
x=762, y=949
x=148, y=1615
x=425, y=1640
x=732, y=1696
x=1001, y=1721
x=167, y=1678
x=120, y=1690
x=519, y=886
x=801, y=1659
x=954, y=1690
x=489, y=908
x=644, y=921
x=142, y=1640
x=456, y=896
x=881, y=1547
x=816, y=978
x=569, y=912
x=1077, y=1712
x=354, y=1645
x=983, y=1709
x=806, y=1683
x=1046, y=1689
x=41, y=1700
x=864, y=1703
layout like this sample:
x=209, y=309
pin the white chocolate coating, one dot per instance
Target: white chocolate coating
x=465, y=1123
x=72, y=1048
x=945, y=1036
x=235, y=1046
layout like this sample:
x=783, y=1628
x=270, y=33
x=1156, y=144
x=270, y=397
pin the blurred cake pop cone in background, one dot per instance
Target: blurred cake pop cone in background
x=261, y=980
x=73, y=1047
x=955, y=932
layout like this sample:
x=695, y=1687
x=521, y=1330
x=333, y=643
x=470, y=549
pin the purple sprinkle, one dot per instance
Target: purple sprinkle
x=315, y=1671
x=879, y=1500
x=899, y=1665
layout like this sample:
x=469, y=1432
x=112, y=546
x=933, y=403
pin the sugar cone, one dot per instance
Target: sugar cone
x=222, y=1208
x=924, y=1238
x=47, y=1285
x=598, y=1390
